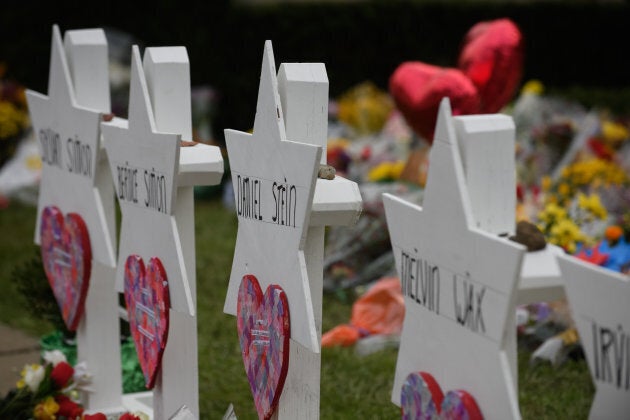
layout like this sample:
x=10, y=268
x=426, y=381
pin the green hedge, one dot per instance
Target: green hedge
x=567, y=44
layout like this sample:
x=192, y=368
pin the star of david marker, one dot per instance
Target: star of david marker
x=68, y=135
x=459, y=284
x=76, y=179
x=599, y=303
x=144, y=164
x=274, y=181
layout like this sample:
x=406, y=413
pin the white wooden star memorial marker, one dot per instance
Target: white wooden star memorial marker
x=154, y=178
x=459, y=284
x=282, y=210
x=274, y=181
x=599, y=302
x=76, y=190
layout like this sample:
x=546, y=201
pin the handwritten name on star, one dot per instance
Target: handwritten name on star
x=611, y=350
x=78, y=154
x=145, y=188
x=443, y=292
x=267, y=201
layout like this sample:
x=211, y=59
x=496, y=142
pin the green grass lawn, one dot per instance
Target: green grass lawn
x=352, y=387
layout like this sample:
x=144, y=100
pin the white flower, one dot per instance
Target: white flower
x=33, y=375
x=54, y=357
x=82, y=375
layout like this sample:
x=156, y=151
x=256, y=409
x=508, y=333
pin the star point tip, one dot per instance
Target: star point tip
x=268, y=107
x=59, y=81
x=444, y=129
x=140, y=108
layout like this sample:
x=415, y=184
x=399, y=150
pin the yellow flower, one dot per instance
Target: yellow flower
x=397, y=169
x=564, y=189
x=594, y=171
x=545, y=183
x=365, y=107
x=552, y=213
x=46, y=409
x=386, y=171
x=338, y=142
x=614, y=132
x=534, y=87
x=593, y=205
x=12, y=120
x=566, y=234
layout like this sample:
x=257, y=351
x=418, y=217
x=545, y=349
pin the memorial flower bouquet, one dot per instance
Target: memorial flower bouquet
x=13, y=115
x=45, y=391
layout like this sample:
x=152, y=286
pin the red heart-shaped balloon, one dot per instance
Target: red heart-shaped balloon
x=422, y=398
x=67, y=258
x=264, y=328
x=148, y=304
x=418, y=88
x=492, y=58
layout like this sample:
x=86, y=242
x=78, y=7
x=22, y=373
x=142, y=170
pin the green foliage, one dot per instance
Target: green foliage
x=17, y=225
x=545, y=392
x=30, y=281
x=351, y=386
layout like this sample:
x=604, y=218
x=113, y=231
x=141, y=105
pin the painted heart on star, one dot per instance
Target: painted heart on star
x=148, y=303
x=67, y=259
x=264, y=328
x=422, y=398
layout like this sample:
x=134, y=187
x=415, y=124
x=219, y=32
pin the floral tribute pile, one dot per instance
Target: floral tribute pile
x=573, y=168
x=49, y=391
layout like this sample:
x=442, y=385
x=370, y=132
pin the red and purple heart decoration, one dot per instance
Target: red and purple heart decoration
x=148, y=304
x=422, y=398
x=67, y=259
x=264, y=329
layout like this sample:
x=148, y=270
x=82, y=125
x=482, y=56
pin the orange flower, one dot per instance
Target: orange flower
x=613, y=233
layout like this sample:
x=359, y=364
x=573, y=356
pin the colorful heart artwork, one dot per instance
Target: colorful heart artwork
x=67, y=259
x=264, y=329
x=422, y=398
x=148, y=304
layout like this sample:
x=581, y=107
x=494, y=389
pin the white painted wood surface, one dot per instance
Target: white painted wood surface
x=136, y=152
x=160, y=104
x=274, y=182
x=541, y=278
x=78, y=95
x=487, y=146
x=59, y=116
x=458, y=316
x=301, y=97
x=599, y=303
x=303, y=89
